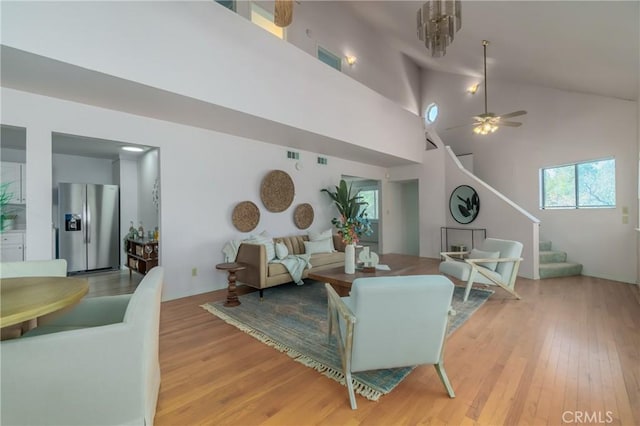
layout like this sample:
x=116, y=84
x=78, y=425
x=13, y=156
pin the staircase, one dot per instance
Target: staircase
x=554, y=264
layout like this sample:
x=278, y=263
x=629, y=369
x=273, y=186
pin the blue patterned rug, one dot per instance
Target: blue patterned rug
x=293, y=319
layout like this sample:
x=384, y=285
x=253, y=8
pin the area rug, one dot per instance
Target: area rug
x=293, y=319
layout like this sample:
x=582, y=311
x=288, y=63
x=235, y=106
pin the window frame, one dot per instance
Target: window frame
x=329, y=53
x=427, y=112
x=229, y=4
x=576, y=189
x=267, y=16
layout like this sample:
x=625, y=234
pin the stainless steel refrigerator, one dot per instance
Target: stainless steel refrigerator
x=89, y=226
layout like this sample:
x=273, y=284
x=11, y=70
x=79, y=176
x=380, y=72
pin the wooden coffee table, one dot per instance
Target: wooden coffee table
x=400, y=264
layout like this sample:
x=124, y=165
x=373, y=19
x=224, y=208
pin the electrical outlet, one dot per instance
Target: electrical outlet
x=625, y=219
x=194, y=272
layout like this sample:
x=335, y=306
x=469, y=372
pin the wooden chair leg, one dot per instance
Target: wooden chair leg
x=445, y=380
x=472, y=276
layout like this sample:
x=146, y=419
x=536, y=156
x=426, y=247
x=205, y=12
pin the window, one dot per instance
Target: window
x=431, y=113
x=264, y=19
x=329, y=58
x=370, y=196
x=229, y=4
x=580, y=185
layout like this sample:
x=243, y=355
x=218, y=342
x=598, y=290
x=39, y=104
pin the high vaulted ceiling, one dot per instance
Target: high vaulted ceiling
x=584, y=46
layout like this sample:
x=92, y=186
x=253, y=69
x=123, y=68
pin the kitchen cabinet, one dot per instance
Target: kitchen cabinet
x=142, y=255
x=12, y=249
x=15, y=175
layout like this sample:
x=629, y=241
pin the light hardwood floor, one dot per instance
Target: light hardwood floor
x=568, y=352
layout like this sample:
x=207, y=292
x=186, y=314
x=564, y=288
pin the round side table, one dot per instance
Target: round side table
x=231, y=268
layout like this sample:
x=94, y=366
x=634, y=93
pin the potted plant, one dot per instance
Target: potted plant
x=353, y=222
x=7, y=214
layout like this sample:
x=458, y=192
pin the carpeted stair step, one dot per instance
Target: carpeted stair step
x=552, y=256
x=559, y=269
x=544, y=246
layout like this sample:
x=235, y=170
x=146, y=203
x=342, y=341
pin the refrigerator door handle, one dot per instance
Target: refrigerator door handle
x=88, y=216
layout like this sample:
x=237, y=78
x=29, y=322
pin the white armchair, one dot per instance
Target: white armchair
x=390, y=322
x=95, y=365
x=495, y=263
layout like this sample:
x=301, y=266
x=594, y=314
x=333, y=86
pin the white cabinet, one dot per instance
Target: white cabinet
x=12, y=249
x=14, y=174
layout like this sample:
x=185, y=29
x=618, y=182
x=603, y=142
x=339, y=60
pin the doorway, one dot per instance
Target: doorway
x=133, y=168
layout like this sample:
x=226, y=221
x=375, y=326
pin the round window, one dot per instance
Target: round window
x=431, y=113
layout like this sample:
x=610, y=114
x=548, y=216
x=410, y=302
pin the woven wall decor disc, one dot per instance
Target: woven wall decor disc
x=303, y=216
x=277, y=191
x=246, y=216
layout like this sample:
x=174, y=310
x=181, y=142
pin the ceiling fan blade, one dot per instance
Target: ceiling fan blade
x=460, y=125
x=509, y=123
x=513, y=114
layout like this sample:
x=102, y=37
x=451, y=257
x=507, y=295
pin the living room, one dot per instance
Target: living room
x=218, y=136
x=354, y=119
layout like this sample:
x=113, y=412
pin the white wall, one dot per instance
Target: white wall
x=498, y=215
x=147, y=175
x=431, y=198
x=204, y=174
x=379, y=66
x=126, y=170
x=193, y=49
x=560, y=127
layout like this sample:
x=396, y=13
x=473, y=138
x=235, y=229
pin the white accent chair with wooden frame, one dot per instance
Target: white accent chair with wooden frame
x=495, y=263
x=390, y=322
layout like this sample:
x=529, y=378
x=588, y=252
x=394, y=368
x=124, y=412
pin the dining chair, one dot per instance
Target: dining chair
x=96, y=364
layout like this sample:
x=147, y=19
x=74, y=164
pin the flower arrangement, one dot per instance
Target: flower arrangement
x=353, y=224
x=352, y=229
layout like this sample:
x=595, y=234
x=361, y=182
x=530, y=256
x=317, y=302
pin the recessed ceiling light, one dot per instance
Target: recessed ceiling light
x=132, y=148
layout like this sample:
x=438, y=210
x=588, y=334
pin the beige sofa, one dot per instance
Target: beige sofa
x=261, y=275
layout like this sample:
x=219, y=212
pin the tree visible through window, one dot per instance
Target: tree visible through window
x=588, y=184
x=370, y=196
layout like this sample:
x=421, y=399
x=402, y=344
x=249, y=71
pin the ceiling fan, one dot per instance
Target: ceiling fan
x=489, y=122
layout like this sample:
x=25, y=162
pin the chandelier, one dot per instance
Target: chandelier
x=438, y=21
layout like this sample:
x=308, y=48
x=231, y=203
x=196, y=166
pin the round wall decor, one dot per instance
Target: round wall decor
x=277, y=191
x=245, y=216
x=303, y=216
x=464, y=204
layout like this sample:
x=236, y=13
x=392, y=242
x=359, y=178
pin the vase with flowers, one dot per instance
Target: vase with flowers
x=353, y=222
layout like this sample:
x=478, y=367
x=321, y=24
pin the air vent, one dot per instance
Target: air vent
x=292, y=155
x=322, y=160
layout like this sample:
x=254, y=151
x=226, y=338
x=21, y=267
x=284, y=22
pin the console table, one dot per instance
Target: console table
x=444, y=236
x=142, y=255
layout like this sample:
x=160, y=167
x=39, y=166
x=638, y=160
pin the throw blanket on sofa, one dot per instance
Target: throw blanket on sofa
x=295, y=264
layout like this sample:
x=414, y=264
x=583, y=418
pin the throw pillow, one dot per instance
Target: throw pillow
x=479, y=254
x=322, y=246
x=324, y=235
x=281, y=251
x=265, y=240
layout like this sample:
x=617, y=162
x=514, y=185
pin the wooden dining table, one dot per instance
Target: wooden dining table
x=26, y=298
